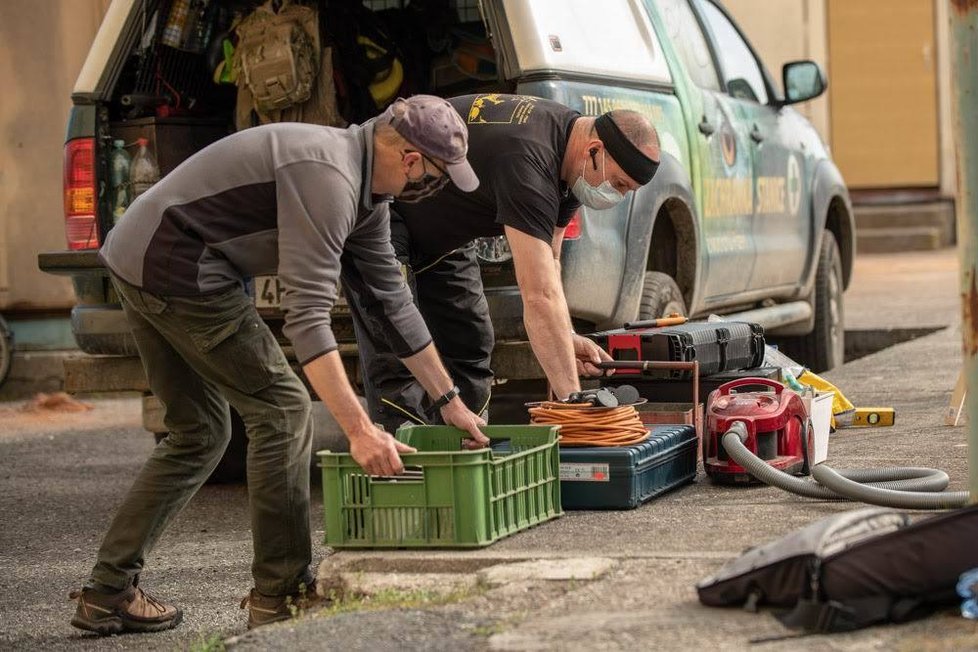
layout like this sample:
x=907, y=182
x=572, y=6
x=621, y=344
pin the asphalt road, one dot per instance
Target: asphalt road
x=62, y=474
x=61, y=477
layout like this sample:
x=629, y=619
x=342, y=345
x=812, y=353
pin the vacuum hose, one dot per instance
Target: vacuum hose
x=905, y=488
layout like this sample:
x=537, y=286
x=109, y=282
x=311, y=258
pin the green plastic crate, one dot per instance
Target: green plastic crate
x=449, y=497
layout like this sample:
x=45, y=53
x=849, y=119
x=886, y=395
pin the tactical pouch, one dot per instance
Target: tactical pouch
x=277, y=56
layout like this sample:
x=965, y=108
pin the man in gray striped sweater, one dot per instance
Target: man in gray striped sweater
x=301, y=201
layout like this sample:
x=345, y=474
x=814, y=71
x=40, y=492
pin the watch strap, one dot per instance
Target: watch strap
x=444, y=399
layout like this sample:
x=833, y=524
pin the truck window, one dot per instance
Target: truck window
x=586, y=37
x=690, y=44
x=741, y=72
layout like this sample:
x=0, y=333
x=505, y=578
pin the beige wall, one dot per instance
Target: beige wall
x=785, y=31
x=945, y=119
x=42, y=46
x=798, y=30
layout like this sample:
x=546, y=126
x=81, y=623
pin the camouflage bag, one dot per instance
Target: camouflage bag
x=277, y=57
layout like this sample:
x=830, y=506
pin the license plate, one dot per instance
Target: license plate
x=269, y=291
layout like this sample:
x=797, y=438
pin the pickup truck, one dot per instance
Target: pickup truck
x=747, y=216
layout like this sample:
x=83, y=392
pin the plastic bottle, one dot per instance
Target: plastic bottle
x=143, y=172
x=119, y=162
x=176, y=23
x=791, y=381
x=968, y=590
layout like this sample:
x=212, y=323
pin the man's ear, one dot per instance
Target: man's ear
x=408, y=159
x=593, y=149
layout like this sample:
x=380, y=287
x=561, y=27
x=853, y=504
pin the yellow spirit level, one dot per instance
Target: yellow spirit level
x=874, y=416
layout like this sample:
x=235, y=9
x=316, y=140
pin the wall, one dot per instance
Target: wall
x=42, y=46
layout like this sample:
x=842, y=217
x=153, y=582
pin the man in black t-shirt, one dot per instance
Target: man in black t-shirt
x=537, y=161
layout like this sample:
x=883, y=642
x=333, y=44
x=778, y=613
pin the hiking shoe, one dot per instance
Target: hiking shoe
x=131, y=610
x=265, y=609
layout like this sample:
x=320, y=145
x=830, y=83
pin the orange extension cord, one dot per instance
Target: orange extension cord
x=583, y=425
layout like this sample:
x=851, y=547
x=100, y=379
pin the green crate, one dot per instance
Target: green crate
x=449, y=497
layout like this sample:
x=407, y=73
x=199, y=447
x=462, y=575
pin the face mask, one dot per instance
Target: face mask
x=426, y=186
x=600, y=198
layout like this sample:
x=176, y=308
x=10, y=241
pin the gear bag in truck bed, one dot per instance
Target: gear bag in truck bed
x=282, y=72
x=853, y=570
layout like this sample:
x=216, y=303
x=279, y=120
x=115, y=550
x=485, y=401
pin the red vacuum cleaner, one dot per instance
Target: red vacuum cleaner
x=778, y=429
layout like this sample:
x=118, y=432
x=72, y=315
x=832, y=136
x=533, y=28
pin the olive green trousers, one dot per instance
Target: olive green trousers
x=201, y=354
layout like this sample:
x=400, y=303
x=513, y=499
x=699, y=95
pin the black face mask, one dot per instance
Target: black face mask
x=427, y=186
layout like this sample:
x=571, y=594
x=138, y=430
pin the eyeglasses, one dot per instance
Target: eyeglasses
x=425, y=157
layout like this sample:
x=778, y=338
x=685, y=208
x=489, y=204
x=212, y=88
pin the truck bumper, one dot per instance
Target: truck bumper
x=86, y=374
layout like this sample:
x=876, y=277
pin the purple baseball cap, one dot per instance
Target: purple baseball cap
x=434, y=126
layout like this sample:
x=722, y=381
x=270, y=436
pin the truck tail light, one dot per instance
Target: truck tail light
x=573, y=229
x=81, y=227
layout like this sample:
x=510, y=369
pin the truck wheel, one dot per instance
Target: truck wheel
x=660, y=297
x=824, y=347
x=6, y=350
x=232, y=468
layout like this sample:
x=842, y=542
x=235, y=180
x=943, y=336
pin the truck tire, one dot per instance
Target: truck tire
x=660, y=297
x=6, y=350
x=824, y=348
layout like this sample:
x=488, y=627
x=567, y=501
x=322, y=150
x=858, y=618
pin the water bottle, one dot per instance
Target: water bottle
x=143, y=172
x=119, y=162
x=968, y=590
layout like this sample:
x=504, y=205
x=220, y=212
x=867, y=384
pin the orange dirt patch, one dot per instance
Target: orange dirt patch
x=57, y=402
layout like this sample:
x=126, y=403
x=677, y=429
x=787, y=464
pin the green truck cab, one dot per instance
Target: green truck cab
x=747, y=214
x=746, y=217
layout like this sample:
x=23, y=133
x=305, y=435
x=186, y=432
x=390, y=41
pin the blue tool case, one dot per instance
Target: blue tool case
x=627, y=476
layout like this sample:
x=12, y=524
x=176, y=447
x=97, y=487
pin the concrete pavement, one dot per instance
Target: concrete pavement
x=646, y=598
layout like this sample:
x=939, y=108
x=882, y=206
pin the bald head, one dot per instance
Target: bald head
x=592, y=155
x=638, y=130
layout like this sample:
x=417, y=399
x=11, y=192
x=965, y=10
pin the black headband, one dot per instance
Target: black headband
x=628, y=157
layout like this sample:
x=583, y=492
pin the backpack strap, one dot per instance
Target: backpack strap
x=817, y=616
x=825, y=616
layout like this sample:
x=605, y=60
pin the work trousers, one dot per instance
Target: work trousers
x=200, y=354
x=448, y=291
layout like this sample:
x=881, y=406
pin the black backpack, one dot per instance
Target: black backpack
x=853, y=569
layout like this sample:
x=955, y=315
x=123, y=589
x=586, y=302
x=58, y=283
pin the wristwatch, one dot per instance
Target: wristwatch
x=444, y=399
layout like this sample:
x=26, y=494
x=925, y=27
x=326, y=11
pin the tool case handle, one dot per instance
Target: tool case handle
x=744, y=382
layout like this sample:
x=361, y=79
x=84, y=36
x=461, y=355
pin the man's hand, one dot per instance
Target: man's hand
x=455, y=413
x=588, y=355
x=378, y=453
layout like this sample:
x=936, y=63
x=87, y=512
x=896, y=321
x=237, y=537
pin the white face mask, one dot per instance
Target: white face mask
x=603, y=197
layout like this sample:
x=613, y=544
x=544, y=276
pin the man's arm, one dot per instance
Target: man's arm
x=587, y=353
x=427, y=367
x=317, y=207
x=372, y=448
x=545, y=312
x=372, y=268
